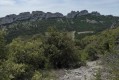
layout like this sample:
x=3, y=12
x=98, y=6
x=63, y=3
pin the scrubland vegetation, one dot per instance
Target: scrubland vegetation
x=32, y=57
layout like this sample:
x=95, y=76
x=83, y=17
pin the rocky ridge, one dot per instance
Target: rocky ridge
x=42, y=15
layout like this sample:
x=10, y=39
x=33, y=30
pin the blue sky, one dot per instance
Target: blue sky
x=64, y=6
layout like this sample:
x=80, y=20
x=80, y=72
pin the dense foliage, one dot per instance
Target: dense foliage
x=28, y=57
x=2, y=46
x=78, y=24
x=61, y=50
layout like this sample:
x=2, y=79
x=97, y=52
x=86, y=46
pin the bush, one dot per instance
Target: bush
x=98, y=75
x=43, y=75
x=28, y=52
x=3, y=53
x=12, y=71
x=91, y=52
x=60, y=50
x=37, y=76
x=111, y=65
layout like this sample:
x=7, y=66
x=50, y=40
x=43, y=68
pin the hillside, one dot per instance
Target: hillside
x=57, y=47
x=37, y=57
x=27, y=23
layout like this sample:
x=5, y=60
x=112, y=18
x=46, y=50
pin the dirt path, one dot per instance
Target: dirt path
x=82, y=73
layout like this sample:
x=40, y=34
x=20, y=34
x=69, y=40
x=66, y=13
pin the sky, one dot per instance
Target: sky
x=106, y=7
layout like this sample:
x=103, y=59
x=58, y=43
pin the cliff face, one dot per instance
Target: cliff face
x=29, y=16
x=42, y=15
x=74, y=14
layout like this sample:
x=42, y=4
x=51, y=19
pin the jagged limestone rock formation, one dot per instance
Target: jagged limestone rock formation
x=35, y=15
x=8, y=19
x=95, y=13
x=23, y=16
x=83, y=12
x=72, y=14
x=29, y=16
x=53, y=15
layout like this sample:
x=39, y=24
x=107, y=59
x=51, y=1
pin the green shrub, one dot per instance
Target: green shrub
x=13, y=71
x=60, y=50
x=28, y=52
x=3, y=52
x=98, y=75
x=91, y=52
x=111, y=65
x=37, y=76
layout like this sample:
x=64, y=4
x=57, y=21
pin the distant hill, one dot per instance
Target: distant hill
x=27, y=23
x=40, y=15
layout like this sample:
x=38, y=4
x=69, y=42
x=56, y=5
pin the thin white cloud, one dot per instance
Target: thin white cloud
x=63, y=6
x=7, y=2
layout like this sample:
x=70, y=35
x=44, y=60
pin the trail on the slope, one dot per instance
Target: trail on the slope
x=87, y=72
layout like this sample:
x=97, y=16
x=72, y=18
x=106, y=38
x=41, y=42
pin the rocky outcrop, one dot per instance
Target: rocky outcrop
x=27, y=16
x=53, y=15
x=113, y=25
x=72, y=14
x=8, y=19
x=91, y=21
x=23, y=16
x=35, y=15
x=83, y=12
x=95, y=13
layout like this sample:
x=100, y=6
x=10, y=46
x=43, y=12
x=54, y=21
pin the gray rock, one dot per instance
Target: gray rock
x=41, y=15
x=26, y=15
x=72, y=14
x=113, y=25
x=23, y=16
x=101, y=21
x=53, y=15
x=57, y=14
x=37, y=15
x=95, y=13
x=83, y=12
x=83, y=73
x=91, y=21
x=8, y=19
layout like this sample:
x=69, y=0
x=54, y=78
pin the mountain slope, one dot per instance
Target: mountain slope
x=38, y=22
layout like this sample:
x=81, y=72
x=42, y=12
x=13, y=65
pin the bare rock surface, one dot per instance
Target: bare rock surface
x=72, y=14
x=23, y=16
x=35, y=15
x=83, y=12
x=91, y=21
x=82, y=73
x=95, y=13
x=53, y=15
